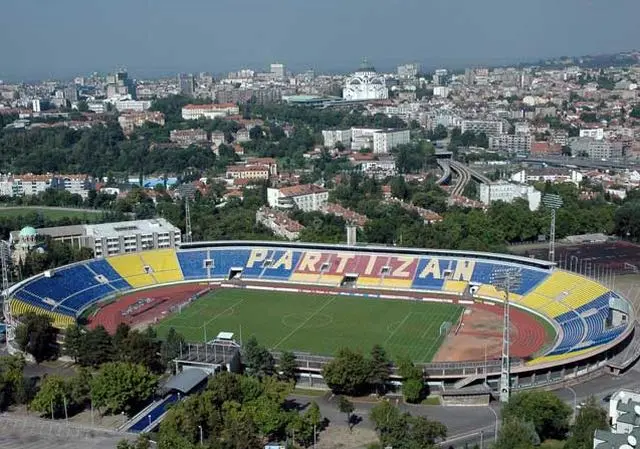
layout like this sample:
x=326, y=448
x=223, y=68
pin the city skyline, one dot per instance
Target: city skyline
x=329, y=36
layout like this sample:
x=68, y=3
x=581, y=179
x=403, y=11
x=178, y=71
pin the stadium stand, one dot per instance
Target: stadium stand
x=131, y=268
x=164, y=265
x=578, y=307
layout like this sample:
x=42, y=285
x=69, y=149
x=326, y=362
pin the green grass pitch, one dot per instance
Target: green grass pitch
x=318, y=324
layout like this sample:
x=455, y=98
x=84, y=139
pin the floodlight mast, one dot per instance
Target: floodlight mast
x=506, y=280
x=553, y=202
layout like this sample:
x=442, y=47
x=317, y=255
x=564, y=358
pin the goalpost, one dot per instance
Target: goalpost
x=445, y=328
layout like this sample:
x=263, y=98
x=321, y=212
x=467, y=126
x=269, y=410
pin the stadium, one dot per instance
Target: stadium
x=440, y=308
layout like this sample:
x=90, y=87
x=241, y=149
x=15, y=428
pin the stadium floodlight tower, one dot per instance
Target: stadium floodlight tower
x=505, y=280
x=553, y=202
x=187, y=218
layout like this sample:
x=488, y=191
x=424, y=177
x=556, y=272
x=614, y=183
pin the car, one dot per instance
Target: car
x=607, y=398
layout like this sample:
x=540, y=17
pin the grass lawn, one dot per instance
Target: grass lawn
x=51, y=213
x=319, y=324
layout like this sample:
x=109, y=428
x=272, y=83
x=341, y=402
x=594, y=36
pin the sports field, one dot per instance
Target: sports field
x=319, y=324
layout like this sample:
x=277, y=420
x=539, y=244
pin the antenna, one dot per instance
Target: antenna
x=505, y=280
x=187, y=213
x=5, y=255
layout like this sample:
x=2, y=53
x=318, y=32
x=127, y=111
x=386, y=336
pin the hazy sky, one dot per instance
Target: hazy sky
x=54, y=38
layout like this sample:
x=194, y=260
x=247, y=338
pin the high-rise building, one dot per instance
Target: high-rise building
x=408, y=70
x=36, y=105
x=186, y=83
x=120, y=85
x=277, y=71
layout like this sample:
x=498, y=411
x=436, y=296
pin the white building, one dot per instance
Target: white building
x=108, y=239
x=131, y=105
x=306, y=197
x=507, y=192
x=441, y=91
x=365, y=84
x=209, y=111
x=332, y=137
x=492, y=128
x=36, y=105
x=516, y=143
x=385, y=141
x=547, y=174
x=594, y=133
x=362, y=138
x=277, y=71
x=30, y=184
x=279, y=223
x=624, y=417
x=595, y=149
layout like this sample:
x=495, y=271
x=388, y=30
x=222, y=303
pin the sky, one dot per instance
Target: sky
x=61, y=38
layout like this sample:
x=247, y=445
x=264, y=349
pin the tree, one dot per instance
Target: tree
x=53, y=396
x=346, y=406
x=122, y=387
x=590, y=418
x=412, y=382
x=348, y=373
x=97, y=348
x=635, y=112
x=141, y=347
x=172, y=345
x=73, y=341
x=258, y=360
x=37, y=336
x=401, y=430
x=380, y=368
x=288, y=366
x=549, y=415
x=12, y=384
x=517, y=434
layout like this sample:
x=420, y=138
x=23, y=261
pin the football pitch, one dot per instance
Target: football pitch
x=318, y=324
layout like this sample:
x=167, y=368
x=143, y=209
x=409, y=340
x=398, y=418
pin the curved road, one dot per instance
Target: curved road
x=465, y=424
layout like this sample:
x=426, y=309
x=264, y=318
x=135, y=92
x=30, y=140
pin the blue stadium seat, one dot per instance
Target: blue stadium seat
x=573, y=331
x=280, y=272
x=192, y=264
x=65, y=282
x=483, y=271
x=226, y=259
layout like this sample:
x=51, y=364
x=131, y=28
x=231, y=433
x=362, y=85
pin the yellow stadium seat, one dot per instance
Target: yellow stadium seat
x=557, y=357
x=396, y=283
x=60, y=320
x=131, y=268
x=554, y=309
x=164, y=265
x=455, y=286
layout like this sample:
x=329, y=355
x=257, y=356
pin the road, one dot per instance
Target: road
x=464, y=424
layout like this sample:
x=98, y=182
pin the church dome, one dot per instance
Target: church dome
x=28, y=231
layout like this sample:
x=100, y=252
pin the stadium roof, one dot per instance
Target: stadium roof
x=187, y=380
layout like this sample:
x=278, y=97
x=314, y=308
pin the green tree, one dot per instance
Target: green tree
x=380, y=368
x=52, y=397
x=346, y=406
x=590, y=418
x=97, y=348
x=635, y=112
x=12, y=384
x=348, y=373
x=549, y=415
x=257, y=359
x=401, y=430
x=122, y=387
x=413, y=387
x=142, y=348
x=172, y=345
x=517, y=434
x=73, y=341
x=37, y=336
x=288, y=366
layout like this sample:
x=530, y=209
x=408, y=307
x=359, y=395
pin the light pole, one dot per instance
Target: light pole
x=201, y=436
x=575, y=402
x=505, y=279
x=553, y=202
x=495, y=427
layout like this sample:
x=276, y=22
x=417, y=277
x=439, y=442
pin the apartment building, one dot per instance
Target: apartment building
x=386, y=140
x=492, y=128
x=132, y=120
x=511, y=143
x=332, y=137
x=186, y=137
x=594, y=133
x=253, y=173
x=595, y=149
x=209, y=111
x=306, y=197
x=30, y=184
x=131, y=105
x=507, y=192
